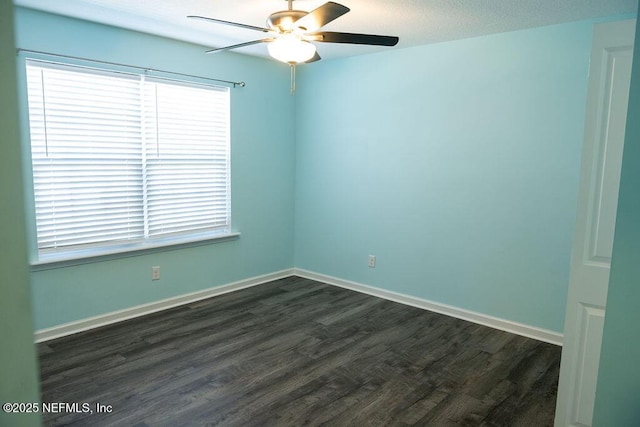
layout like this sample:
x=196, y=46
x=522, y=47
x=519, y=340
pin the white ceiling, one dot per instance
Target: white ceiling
x=416, y=22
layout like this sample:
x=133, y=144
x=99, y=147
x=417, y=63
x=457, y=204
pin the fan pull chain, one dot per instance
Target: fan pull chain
x=292, y=90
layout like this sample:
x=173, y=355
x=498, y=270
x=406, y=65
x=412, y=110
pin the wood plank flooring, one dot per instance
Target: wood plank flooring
x=298, y=352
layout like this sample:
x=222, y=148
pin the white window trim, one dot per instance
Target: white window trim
x=91, y=255
x=41, y=260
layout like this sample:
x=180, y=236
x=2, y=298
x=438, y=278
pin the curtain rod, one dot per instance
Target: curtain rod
x=235, y=84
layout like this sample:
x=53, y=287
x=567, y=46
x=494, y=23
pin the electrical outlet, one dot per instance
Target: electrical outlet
x=155, y=273
x=372, y=261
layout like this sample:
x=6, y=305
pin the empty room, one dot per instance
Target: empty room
x=349, y=213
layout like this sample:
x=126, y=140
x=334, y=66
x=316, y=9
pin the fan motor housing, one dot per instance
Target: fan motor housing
x=283, y=20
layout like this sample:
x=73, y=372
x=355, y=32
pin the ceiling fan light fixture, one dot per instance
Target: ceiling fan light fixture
x=290, y=48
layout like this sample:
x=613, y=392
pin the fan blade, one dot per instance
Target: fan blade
x=235, y=24
x=315, y=58
x=352, y=38
x=321, y=16
x=235, y=46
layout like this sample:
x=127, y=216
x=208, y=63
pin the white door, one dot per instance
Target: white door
x=608, y=95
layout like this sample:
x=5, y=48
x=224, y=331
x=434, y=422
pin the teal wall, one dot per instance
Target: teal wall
x=456, y=164
x=262, y=155
x=18, y=368
x=618, y=390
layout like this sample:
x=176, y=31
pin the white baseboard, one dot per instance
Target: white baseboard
x=140, y=310
x=460, y=313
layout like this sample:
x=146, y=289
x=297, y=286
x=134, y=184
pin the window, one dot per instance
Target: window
x=125, y=161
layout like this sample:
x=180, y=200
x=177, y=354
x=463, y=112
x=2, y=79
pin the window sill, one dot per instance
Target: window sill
x=87, y=256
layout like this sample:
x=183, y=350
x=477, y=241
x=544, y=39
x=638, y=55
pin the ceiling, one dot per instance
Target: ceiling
x=416, y=22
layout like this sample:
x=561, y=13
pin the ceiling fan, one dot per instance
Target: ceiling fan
x=290, y=33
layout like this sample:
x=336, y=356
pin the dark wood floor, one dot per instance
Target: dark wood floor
x=296, y=352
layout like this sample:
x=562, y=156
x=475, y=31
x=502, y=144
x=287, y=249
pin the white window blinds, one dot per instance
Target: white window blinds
x=123, y=159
